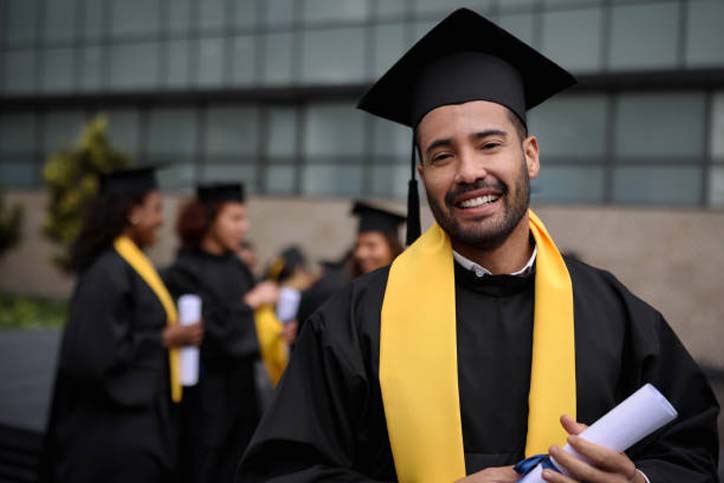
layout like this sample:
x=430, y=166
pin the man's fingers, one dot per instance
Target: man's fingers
x=603, y=458
x=571, y=425
x=578, y=470
x=555, y=477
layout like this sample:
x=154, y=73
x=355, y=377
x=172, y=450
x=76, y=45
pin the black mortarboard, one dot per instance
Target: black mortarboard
x=220, y=192
x=131, y=182
x=463, y=58
x=372, y=218
x=283, y=266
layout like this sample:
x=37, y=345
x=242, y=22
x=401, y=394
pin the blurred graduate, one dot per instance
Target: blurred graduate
x=113, y=414
x=481, y=345
x=221, y=412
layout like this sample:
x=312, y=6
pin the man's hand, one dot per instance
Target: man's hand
x=505, y=474
x=606, y=466
x=265, y=293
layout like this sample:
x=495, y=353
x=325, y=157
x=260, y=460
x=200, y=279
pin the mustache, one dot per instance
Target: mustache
x=455, y=193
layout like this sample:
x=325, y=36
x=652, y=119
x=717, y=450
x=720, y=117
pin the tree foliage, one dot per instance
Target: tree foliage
x=71, y=177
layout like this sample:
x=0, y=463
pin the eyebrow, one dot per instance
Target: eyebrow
x=477, y=136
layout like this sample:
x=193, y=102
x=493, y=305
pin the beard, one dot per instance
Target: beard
x=481, y=233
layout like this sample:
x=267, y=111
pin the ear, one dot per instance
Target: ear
x=134, y=215
x=531, y=152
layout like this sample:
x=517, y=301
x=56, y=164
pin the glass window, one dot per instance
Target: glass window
x=331, y=180
x=280, y=49
x=333, y=130
x=644, y=36
x=283, y=134
x=176, y=176
x=336, y=55
x=392, y=139
x=134, y=65
x=172, y=134
x=444, y=7
x=59, y=25
x=518, y=4
x=570, y=126
x=93, y=20
x=57, y=70
x=62, y=130
x=717, y=127
x=177, y=56
x=279, y=12
x=390, y=44
x=519, y=24
x=390, y=9
x=335, y=10
x=229, y=173
x=212, y=15
x=134, y=17
x=662, y=185
x=91, y=59
x=18, y=133
x=19, y=71
x=211, y=61
x=243, y=55
x=280, y=179
x=390, y=181
x=659, y=125
x=19, y=174
x=231, y=131
x=560, y=28
x=568, y=184
x=179, y=16
x=705, y=35
x=21, y=21
x=422, y=28
x=124, y=127
x=716, y=187
x=244, y=13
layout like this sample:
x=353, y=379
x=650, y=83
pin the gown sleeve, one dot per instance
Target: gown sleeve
x=308, y=433
x=688, y=448
x=228, y=326
x=103, y=347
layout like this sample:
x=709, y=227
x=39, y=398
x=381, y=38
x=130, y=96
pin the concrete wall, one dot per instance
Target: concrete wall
x=673, y=259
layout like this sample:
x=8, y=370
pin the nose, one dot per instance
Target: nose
x=469, y=169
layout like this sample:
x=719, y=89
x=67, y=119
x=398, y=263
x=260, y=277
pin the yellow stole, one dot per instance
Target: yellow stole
x=130, y=252
x=274, y=352
x=418, y=357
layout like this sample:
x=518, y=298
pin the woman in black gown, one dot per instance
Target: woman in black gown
x=221, y=412
x=112, y=414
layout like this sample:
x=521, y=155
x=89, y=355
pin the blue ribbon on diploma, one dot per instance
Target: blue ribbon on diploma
x=528, y=464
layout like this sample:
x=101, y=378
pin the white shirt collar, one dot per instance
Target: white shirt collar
x=480, y=271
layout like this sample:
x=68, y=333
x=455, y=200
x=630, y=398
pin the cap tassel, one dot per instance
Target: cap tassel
x=413, y=202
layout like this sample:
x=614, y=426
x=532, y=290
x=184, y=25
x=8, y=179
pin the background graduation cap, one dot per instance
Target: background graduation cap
x=463, y=58
x=221, y=192
x=372, y=218
x=131, y=182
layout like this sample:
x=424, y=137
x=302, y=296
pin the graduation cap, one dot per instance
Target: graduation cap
x=221, y=192
x=283, y=266
x=131, y=182
x=372, y=218
x=463, y=58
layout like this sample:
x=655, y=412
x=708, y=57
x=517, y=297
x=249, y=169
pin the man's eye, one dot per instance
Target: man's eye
x=488, y=146
x=439, y=157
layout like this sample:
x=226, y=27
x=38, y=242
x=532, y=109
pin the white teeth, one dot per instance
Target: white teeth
x=481, y=200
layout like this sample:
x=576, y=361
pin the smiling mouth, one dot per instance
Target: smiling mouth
x=478, y=201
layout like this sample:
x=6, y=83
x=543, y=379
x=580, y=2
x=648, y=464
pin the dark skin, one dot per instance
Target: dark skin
x=144, y=220
x=476, y=143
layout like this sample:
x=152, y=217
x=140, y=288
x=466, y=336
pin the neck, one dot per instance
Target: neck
x=210, y=245
x=130, y=233
x=509, y=257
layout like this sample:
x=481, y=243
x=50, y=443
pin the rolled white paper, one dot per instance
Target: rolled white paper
x=639, y=415
x=189, y=312
x=288, y=304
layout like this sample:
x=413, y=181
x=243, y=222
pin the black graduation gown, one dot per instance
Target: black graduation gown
x=327, y=422
x=219, y=414
x=111, y=416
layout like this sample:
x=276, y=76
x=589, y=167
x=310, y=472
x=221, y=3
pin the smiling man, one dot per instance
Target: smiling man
x=481, y=345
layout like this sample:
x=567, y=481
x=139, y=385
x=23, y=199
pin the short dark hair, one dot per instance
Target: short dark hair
x=194, y=222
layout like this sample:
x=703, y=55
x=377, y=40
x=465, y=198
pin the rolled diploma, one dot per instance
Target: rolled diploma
x=288, y=304
x=189, y=312
x=639, y=415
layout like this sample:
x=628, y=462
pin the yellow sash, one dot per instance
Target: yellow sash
x=418, y=357
x=128, y=250
x=274, y=352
